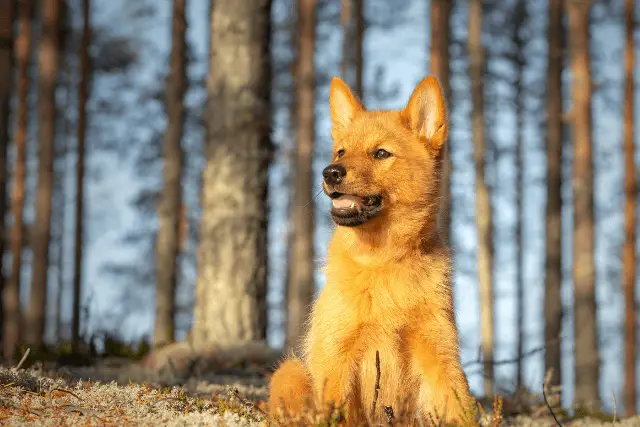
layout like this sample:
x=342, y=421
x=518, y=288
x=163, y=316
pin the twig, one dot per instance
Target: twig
x=66, y=391
x=553, y=414
x=388, y=410
x=249, y=405
x=614, y=408
x=377, y=389
x=529, y=353
x=24, y=357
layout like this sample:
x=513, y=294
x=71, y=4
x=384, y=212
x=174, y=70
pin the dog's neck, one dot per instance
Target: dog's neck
x=389, y=240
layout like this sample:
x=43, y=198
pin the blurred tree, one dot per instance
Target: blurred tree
x=10, y=303
x=483, y=205
x=48, y=67
x=520, y=19
x=353, y=24
x=439, y=64
x=230, y=286
x=630, y=192
x=301, y=286
x=361, y=26
x=587, y=363
x=83, y=96
x=168, y=241
x=553, y=224
x=7, y=18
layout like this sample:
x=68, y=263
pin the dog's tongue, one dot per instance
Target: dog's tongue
x=345, y=202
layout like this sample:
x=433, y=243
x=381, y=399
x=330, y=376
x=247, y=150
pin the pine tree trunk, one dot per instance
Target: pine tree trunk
x=47, y=74
x=359, y=47
x=352, y=21
x=586, y=347
x=231, y=283
x=553, y=243
x=7, y=17
x=483, y=204
x=168, y=242
x=439, y=64
x=519, y=21
x=630, y=191
x=301, y=278
x=346, y=22
x=82, y=132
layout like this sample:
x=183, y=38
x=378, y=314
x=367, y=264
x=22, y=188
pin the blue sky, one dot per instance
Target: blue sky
x=402, y=51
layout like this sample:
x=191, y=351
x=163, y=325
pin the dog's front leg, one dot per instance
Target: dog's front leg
x=443, y=391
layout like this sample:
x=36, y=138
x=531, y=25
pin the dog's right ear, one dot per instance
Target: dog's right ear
x=343, y=104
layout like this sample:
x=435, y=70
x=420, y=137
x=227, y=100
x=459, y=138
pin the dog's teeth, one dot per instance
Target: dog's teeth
x=353, y=205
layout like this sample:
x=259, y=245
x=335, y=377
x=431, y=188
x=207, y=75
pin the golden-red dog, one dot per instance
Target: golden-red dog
x=388, y=272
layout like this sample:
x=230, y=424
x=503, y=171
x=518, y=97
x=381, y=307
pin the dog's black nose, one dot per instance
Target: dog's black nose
x=334, y=173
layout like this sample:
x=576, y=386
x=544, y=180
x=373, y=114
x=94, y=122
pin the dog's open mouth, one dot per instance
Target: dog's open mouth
x=351, y=210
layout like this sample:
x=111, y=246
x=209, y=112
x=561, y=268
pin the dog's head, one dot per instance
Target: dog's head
x=385, y=163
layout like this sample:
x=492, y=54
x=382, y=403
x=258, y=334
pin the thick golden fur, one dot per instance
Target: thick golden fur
x=388, y=282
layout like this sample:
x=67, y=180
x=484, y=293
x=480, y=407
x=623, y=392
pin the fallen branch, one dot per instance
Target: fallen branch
x=553, y=414
x=377, y=387
x=24, y=358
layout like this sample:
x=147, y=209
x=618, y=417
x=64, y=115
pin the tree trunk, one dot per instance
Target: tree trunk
x=9, y=303
x=47, y=74
x=553, y=248
x=586, y=347
x=352, y=20
x=82, y=132
x=439, y=63
x=359, y=47
x=7, y=17
x=168, y=242
x=346, y=22
x=301, y=268
x=231, y=283
x=519, y=21
x=630, y=191
x=483, y=203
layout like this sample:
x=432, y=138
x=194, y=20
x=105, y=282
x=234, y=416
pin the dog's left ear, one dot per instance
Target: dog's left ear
x=426, y=113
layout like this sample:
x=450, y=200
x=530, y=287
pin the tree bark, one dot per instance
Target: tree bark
x=439, y=64
x=47, y=75
x=231, y=284
x=483, y=203
x=83, y=96
x=587, y=362
x=301, y=268
x=630, y=191
x=168, y=242
x=361, y=26
x=553, y=241
x=8, y=303
x=519, y=21
x=352, y=20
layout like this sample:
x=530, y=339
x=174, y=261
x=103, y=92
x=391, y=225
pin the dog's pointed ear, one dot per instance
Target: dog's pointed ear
x=343, y=104
x=426, y=113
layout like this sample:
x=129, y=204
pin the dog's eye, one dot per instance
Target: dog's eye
x=340, y=153
x=382, y=154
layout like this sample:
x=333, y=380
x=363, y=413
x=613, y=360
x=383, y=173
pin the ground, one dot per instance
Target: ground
x=157, y=391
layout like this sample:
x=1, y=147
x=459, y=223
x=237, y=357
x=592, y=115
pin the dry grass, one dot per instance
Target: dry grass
x=70, y=396
x=27, y=399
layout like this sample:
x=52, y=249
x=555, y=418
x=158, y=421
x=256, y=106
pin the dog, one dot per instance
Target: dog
x=383, y=327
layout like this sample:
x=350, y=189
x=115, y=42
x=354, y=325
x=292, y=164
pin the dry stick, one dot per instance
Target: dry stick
x=615, y=410
x=24, y=357
x=553, y=414
x=388, y=410
x=377, y=389
x=235, y=393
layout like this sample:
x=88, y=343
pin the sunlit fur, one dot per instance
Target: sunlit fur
x=388, y=282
